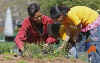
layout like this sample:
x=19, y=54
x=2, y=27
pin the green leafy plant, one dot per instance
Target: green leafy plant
x=31, y=50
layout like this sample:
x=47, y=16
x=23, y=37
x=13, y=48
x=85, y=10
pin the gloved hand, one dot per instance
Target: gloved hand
x=51, y=39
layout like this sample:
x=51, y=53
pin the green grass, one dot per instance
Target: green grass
x=22, y=61
x=6, y=47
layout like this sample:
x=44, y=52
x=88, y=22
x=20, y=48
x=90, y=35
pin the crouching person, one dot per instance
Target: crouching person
x=34, y=28
x=68, y=31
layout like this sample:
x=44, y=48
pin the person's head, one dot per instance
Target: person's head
x=58, y=12
x=34, y=12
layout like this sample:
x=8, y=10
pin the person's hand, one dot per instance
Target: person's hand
x=21, y=49
x=62, y=45
x=60, y=48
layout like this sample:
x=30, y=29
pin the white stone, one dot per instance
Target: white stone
x=8, y=28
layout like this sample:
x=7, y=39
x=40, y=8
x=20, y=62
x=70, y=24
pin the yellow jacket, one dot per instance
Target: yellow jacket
x=76, y=15
x=82, y=14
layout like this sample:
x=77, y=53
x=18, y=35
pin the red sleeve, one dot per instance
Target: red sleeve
x=21, y=36
x=47, y=20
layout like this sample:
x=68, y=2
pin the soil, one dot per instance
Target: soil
x=19, y=59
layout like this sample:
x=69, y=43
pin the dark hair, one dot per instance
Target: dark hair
x=57, y=11
x=32, y=9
